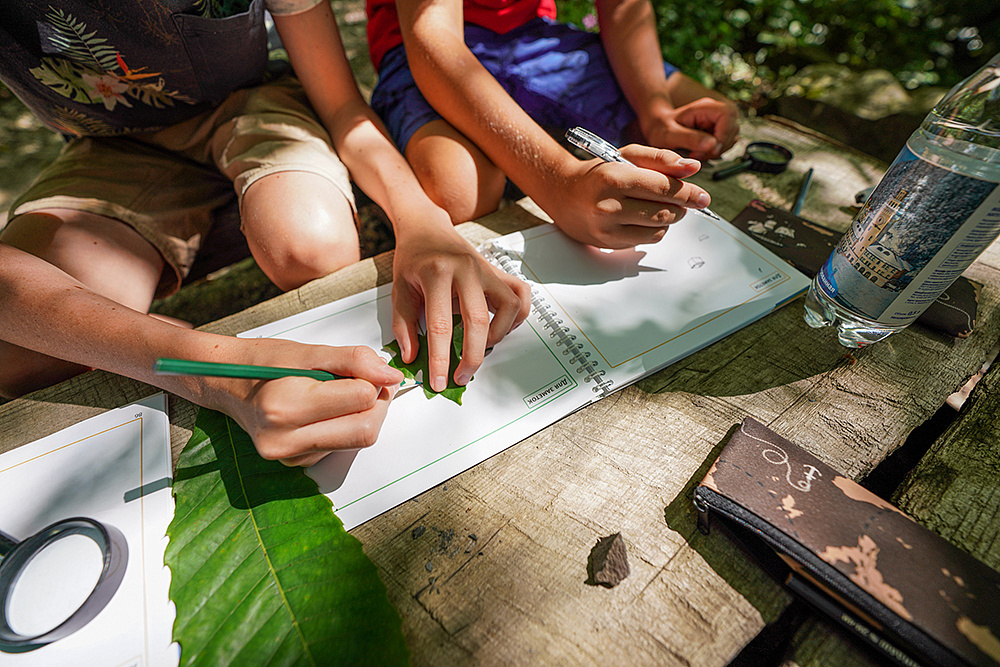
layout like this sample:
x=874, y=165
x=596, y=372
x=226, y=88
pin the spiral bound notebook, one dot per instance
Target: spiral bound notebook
x=600, y=321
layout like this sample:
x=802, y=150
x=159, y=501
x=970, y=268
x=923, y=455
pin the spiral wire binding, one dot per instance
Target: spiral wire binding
x=550, y=321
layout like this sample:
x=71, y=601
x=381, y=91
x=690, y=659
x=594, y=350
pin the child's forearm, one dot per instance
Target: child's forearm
x=667, y=107
x=628, y=32
x=48, y=311
x=312, y=40
x=296, y=419
x=379, y=169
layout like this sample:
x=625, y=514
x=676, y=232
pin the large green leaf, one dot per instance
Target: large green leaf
x=263, y=572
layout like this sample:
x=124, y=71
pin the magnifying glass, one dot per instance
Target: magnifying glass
x=760, y=156
x=56, y=581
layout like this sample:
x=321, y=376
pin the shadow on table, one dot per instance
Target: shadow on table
x=756, y=579
x=221, y=452
x=776, y=351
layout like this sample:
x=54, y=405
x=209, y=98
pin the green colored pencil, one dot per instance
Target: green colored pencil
x=214, y=369
x=243, y=371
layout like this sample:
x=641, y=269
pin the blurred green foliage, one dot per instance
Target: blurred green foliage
x=749, y=48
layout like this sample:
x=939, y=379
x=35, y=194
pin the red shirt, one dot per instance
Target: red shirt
x=500, y=16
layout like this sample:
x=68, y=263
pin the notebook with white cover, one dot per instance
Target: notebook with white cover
x=600, y=320
x=82, y=538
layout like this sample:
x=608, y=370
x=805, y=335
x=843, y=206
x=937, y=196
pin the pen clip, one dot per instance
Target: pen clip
x=594, y=145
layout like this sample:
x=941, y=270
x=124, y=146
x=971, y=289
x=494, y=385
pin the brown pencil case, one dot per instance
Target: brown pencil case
x=894, y=583
x=807, y=245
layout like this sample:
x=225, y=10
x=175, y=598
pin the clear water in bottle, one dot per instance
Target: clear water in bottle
x=935, y=210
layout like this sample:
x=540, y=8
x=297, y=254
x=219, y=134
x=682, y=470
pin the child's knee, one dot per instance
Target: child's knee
x=454, y=173
x=467, y=199
x=311, y=252
x=299, y=228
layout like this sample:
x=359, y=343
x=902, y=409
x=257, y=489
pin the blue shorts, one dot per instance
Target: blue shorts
x=559, y=75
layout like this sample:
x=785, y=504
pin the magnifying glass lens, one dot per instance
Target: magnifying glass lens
x=760, y=156
x=54, y=584
x=767, y=154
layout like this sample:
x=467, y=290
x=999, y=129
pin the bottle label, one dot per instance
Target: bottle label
x=920, y=229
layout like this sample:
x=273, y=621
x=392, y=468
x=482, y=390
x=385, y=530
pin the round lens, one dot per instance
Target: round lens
x=54, y=584
x=767, y=154
x=56, y=581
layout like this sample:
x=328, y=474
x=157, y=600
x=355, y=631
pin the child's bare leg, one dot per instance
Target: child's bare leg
x=104, y=254
x=455, y=174
x=299, y=227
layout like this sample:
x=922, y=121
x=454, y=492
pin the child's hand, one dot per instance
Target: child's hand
x=615, y=205
x=431, y=270
x=705, y=128
x=299, y=420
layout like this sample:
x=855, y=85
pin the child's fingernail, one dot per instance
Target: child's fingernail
x=703, y=200
x=708, y=143
x=462, y=379
x=440, y=383
x=689, y=162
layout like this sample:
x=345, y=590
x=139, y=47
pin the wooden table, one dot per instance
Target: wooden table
x=498, y=573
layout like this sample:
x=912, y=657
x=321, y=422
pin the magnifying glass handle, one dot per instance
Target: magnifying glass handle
x=7, y=544
x=731, y=171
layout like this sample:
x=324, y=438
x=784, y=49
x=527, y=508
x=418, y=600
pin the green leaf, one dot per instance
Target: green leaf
x=419, y=365
x=69, y=38
x=415, y=367
x=263, y=572
x=63, y=77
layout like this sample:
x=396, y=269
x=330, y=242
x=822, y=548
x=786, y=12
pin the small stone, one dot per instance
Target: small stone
x=472, y=536
x=429, y=566
x=608, y=562
x=417, y=532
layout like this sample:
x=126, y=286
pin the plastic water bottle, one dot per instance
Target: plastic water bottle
x=935, y=210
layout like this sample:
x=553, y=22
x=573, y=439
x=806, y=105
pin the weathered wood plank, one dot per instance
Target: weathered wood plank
x=954, y=490
x=536, y=510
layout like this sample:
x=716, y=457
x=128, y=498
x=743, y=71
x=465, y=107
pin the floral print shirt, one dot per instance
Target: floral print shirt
x=109, y=67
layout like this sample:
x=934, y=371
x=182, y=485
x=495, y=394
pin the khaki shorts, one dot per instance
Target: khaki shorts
x=168, y=184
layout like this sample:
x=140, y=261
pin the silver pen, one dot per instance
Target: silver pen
x=608, y=152
x=594, y=145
